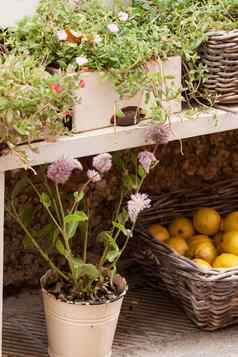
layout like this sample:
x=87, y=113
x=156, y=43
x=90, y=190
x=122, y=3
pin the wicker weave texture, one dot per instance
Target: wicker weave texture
x=220, y=55
x=208, y=296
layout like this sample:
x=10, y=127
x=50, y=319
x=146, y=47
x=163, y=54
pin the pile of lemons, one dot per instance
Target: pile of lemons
x=210, y=240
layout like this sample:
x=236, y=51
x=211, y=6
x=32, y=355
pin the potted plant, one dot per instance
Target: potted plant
x=125, y=58
x=83, y=296
x=33, y=104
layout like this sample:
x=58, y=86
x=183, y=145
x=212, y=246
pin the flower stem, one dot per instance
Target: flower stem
x=36, y=245
x=69, y=255
x=85, y=245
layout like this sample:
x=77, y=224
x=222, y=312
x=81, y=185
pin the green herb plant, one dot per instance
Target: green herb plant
x=83, y=277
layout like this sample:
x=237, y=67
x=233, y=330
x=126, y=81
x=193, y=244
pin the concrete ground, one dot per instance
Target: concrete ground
x=150, y=325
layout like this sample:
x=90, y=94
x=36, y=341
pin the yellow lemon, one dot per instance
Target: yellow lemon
x=194, y=241
x=181, y=227
x=159, y=232
x=226, y=261
x=207, y=221
x=178, y=244
x=230, y=242
x=206, y=251
x=198, y=238
x=231, y=222
x=202, y=263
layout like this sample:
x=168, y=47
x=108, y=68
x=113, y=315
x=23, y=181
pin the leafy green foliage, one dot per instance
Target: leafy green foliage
x=29, y=108
x=72, y=222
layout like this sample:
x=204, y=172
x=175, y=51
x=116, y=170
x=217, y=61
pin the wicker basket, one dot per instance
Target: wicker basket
x=220, y=54
x=208, y=296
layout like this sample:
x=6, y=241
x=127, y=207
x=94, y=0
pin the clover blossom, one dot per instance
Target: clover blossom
x=98, y=39
x=60, y=170
x=113, y=28
x=137, y=203
x=146, y=159
x=158, y=133
x=123, y=16
x=62, y=35
x=81, y=61
x=102, y=162
x=94, y=176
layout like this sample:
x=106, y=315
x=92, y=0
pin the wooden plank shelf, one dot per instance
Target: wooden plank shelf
x=184, y=125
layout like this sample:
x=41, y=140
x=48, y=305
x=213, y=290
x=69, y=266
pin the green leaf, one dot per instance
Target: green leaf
x=113, y=254
x=71, y=229
x=131, y=182
x=120, y=114
x=78, y=196
x=141, y=172
x=105, y=237
x=72, y=222
x=85, y=270
x=123, y=216
x=45, y=200
x=78, y=216
x=60, y=247
x=108, y=241
x=120, y=227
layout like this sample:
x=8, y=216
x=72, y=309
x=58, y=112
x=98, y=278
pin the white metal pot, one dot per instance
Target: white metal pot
x=99, y=100
x=14, y=10
x=76, y=330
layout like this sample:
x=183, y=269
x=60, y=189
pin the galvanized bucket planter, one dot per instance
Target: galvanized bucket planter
x=80, y=330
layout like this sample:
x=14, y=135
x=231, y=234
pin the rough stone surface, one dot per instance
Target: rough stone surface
x=182, y=164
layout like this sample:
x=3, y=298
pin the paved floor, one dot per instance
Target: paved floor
x=151, y=325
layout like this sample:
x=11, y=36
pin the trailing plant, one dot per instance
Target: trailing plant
x=33, y=103
x=190, y=21
x=73, y=38
x=84, y=278
x=93, y=37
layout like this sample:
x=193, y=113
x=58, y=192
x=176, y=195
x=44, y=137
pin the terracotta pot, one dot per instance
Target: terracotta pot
x=99, y=100
x=76, y=330
x=15, y=10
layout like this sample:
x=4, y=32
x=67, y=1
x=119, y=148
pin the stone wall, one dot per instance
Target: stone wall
x=186, y=163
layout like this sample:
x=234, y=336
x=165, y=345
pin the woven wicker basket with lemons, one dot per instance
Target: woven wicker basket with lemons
x=210, y=240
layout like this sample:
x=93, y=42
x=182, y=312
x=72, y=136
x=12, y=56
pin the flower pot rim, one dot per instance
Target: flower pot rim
x=85, y=303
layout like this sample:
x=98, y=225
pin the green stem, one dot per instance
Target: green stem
x=124, y=245
x=75, y=205
x=60, y=203
x=118, y=209
x=103, y=257
x=36, y=245
x=85, y=248
x=47, y=208
x=56, y=208
x=69, y=255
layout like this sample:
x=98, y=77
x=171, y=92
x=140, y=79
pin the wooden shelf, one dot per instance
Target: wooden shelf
x=184, y=125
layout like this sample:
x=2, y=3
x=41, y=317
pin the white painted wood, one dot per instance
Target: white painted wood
x=99, y=101
x=113, y=3
x=14, y=10
x=119, y=138
x=2, y=189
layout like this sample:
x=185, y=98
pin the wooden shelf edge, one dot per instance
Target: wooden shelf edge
x=111, y=139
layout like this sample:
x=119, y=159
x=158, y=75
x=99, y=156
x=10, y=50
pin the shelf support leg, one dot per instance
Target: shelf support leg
x=2, y=189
